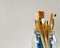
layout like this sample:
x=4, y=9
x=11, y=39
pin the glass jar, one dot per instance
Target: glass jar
x=37, y=42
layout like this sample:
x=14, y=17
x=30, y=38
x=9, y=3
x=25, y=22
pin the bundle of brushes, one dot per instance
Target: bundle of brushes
x=44, y=28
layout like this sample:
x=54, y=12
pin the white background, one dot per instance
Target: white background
x=17, y=19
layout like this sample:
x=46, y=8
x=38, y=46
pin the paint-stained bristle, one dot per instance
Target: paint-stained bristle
x=41, y=14
x=51, y=17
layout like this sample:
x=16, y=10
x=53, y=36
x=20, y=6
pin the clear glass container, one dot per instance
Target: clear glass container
x=37, y=43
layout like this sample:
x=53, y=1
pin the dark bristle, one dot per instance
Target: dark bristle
x=55, y=15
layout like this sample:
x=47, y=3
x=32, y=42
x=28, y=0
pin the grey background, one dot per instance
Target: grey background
x=17, y=21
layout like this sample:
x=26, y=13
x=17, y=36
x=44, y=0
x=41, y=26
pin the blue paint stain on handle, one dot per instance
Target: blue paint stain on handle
x=38, y=38
x=39, y=44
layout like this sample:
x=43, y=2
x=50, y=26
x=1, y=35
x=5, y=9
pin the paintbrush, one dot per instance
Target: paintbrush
x=44, y=28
